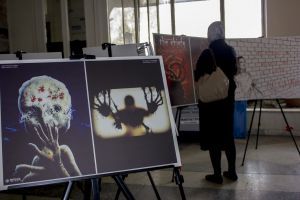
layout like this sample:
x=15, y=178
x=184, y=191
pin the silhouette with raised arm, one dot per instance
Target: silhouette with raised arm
x=131, y=116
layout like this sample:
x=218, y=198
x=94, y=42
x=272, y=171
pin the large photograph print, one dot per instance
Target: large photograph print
x=268, y=68
x=45, y=122
x=175, y=51
x=130, y=114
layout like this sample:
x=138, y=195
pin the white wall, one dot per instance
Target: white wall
x=26, y=25
x=283, y=17
x=272, y=121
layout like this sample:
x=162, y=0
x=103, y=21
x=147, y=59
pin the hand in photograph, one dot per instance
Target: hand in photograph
x=46, y=111
x=50, y=158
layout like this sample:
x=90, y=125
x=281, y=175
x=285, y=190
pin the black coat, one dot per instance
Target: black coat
x=216, y=118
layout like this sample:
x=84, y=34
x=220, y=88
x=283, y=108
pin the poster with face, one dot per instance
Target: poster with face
x=269, y=68
x=45, y=124
x=130, y=114
x=175, y=51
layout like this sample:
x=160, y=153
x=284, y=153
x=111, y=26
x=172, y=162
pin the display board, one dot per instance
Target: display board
x=124, y=50
x=117, y=51
x=63, y=120
x=44, y=55
x=269, y=68
x=189, y=118
x=96, y=51
x=8, y=57
x=175, y=51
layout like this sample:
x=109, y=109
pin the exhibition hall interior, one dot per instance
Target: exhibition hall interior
x=99, y=100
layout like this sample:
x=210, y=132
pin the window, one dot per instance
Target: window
x=192, y=17
x=153, y=26
x=129, y=22
x=164, y=8
x=243, y=18
x=143, y=21
x=115, y=18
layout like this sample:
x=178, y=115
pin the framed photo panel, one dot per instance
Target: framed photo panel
x=63, y=120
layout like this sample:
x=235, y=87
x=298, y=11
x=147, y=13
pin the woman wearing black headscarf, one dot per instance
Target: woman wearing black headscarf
x=216, y=118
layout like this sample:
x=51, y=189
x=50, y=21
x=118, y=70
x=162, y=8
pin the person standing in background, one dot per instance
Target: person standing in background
x=216, y=118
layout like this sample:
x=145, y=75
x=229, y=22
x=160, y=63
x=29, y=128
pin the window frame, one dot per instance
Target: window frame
x=136, y=4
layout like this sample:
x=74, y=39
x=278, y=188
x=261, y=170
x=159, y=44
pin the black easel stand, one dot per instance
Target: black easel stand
x=108, y=46
x=178, y=118
x=19, y=54
x=177, y=121
x=96, y=188
x=122, y=186
x=259, y=117
x=119, y=191
x=176, y=176
x=179, y=180
x=152, y=184
x=85, y=186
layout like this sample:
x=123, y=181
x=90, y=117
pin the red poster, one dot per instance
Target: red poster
x=175, y=51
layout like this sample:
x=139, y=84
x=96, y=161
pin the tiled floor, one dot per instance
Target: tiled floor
x=272, y=172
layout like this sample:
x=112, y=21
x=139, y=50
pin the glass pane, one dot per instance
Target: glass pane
x=143, y=21
x=115, y=21
x=165, y=17
x=243, y=18
x=192, y=18
x=153, y=19
x=129, y=21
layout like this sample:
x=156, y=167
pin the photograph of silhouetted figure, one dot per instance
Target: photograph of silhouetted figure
x=130, y=114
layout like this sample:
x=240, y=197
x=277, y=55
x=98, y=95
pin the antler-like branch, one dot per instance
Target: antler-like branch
x=153, y=98
x=103, y=104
